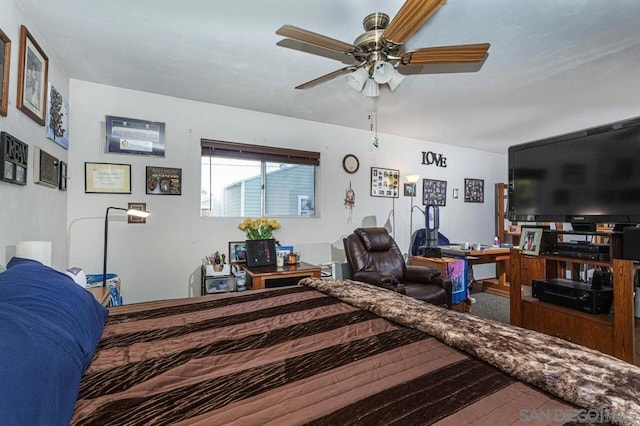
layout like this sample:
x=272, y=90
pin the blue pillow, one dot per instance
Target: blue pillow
x=49, y=328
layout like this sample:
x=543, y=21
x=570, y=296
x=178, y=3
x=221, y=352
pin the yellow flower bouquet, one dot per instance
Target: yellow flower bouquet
x=259, y=229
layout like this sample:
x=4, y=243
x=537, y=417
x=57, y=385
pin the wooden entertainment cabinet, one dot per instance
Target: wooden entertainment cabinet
x=614, y=334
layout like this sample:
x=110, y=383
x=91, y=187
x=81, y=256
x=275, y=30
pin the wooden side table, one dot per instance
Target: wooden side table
x=441, y=265
x=261, y=276
x=101, y=294
x=438, y=263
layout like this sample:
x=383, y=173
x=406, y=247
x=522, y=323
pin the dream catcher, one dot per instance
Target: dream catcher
x=349, y=201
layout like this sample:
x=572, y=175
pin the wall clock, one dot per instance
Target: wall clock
x=350, y=163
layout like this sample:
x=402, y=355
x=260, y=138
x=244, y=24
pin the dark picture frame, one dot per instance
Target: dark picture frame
x=434, y=192
x=261, y=252
x=5, y=62
x=46, y=168
x=137, y=206
x=385, y=182
x=62, y=181
x=33, y=74
x=107, y=178
x=473, y=190
x=133, y=136
x=14, y=157
x=237, y=252
x=163, y=181
x=409, y=189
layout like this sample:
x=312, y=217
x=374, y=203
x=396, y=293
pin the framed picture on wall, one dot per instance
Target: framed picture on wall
x=106, y=178
x=62, y=181
x=132, y=136
x=385, y=182
x=14, y=156
x=137, y=206
x=33, y=69
x=57, y=126
x=434, y=192
x=5, y=59
x=474, y=190
x=164, y=181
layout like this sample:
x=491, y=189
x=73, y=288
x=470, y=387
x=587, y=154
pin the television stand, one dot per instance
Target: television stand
x=614, y=334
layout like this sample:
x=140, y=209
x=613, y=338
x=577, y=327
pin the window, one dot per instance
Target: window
x=241, y=180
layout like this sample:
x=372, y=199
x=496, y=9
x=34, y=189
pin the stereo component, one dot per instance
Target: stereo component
x=573, y=294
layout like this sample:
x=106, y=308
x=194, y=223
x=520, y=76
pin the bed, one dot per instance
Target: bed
x=329, y=352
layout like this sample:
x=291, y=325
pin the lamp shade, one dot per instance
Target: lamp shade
x=371, y=88
x=138, y=213
x=395, y=80
x=412, y=178
x=36, y=250
x=383, y=72
x=358, y=78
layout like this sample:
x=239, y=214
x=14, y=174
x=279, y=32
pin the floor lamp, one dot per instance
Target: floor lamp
x=412, y=179
x=130, y=212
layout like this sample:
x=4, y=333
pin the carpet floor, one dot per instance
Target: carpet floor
x=490, y=306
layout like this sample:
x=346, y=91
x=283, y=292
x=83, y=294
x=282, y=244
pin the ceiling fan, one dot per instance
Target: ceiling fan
x=378, y=52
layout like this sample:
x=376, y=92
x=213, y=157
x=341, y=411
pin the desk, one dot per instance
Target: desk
x=259, y=275
x=498, y=255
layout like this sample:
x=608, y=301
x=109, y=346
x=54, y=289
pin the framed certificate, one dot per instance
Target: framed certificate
x=106, y=178
x=131, y=136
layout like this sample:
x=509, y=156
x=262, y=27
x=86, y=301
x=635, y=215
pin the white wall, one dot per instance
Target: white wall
x=31, y=212
x=161, y=258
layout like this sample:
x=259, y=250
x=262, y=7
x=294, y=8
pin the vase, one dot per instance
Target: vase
x=218, y=267
x=261, y=252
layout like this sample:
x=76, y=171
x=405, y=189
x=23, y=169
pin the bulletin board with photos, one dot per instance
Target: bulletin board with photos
x=473, y=190
x=434, y=192
x=385, y=182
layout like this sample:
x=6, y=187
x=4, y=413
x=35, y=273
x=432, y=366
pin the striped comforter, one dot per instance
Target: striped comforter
x=294, y=355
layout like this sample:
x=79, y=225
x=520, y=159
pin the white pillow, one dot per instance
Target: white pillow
x=77, y=275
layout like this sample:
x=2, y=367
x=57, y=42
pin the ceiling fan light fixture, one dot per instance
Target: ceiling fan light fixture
x=395, y=80
x=383, y=72
x=371, y=88
x=358, y=78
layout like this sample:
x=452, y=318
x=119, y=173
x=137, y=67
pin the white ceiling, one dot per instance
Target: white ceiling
x=554, y=65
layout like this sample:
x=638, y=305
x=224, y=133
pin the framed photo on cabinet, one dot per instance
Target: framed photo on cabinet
x=33, y=70
x=530, y=240
x=237, y=252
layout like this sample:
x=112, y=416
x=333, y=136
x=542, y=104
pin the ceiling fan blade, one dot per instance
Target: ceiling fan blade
x=290, y=43
x=410, y=18
x=446, y=54
x=326, y=77
x=316, y=39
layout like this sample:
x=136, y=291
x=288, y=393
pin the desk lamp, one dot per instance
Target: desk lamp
x=130, y=212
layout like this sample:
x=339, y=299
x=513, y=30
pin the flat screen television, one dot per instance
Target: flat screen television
x=589, y=176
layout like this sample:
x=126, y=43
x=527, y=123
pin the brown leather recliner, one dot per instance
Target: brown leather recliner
x=374, y=258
